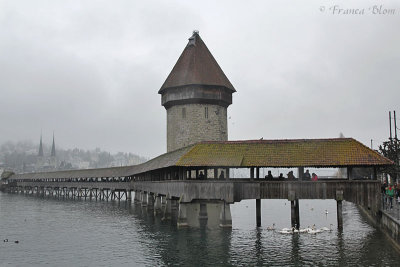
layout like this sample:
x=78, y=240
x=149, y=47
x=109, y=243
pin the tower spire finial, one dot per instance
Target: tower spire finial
x=40, y=154
x=53, y=147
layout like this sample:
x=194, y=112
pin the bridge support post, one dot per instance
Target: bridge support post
x=225, y=217
x=150, y=201
x=137, y=197
x=258, y=212
x=294, y=204
x=174, y=206
x=128, y=194
x=182, y=215
x=157, y=205
x=339, y=200
x=203, y=215
x=144, y=199
x=167, y=209
x=100, y=193
x=294, y=208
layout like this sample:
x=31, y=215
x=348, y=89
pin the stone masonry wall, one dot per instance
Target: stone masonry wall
x=192, y=123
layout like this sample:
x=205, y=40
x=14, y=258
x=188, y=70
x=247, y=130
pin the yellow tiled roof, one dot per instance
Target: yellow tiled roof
x=338, y=152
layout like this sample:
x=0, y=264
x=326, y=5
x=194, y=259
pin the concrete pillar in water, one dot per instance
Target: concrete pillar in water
x=144, y=199
x=294, y=204
x=157, y=205
x=174, y=207
x=167, y=209
x=182, y=215
x=225, y=218
x=203, y=215
x=258, y=201
x=294, y=208
x=258, y=212
x=339, y=200
x=137, y=197
x=150, y=201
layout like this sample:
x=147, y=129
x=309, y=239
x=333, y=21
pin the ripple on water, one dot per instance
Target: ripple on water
x=90, y=233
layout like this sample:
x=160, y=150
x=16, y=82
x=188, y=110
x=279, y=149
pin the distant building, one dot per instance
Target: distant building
x=43, y=162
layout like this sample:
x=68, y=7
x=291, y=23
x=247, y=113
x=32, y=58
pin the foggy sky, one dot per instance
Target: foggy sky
x=90, y=70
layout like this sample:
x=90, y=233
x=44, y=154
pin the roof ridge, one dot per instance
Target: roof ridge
x=275, y=140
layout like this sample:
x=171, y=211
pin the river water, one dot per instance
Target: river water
x=65, y=232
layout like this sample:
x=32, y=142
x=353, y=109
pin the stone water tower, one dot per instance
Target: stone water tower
x=196, y=95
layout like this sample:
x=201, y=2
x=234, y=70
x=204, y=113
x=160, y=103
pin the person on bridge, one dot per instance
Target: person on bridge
x=390, y=194
x=222, y=175
x=201, y=176
x=269, y=177
x=291, y=176
x=314, y=177
x=307, y=176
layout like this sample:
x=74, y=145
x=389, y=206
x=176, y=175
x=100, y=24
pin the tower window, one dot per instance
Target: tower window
x=183, y=113
x=206, y=112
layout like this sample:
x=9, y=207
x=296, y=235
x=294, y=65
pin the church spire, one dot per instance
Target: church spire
x=53, y=148
x=40, y=147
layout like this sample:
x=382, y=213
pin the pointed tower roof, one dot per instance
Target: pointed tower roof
x=40, y=147
x=196, y=66
x=53, y=148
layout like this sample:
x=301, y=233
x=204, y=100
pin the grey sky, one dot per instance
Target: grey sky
x=90, y=70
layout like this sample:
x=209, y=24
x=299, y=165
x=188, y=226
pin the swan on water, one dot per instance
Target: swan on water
x=327, y=229
x=269, y=228
x=286, y=231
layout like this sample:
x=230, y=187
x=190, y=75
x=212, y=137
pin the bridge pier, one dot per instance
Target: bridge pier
x=258, y=212
x=295, y=215
x=203, y=215
x=167, y=209
x=113, y=196
x=339, y=200
x=150, y=201
x=225, y=217
x=182, y=215
x=144, y=199
x=157, y=205
x=137, y=197
x=128, y=194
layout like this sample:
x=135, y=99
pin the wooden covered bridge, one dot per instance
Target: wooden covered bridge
x=189, y=179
